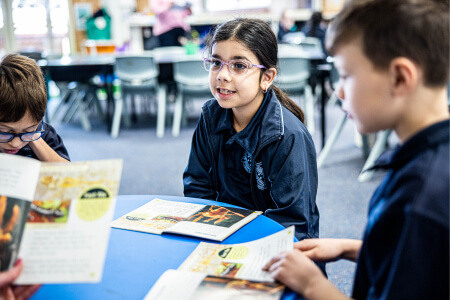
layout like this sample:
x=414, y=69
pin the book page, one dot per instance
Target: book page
x=185, y=283
x=156, y=216
x=192, y=285
x=18, y=178
x=240, y=261
x=214, y=222
x=67, y=232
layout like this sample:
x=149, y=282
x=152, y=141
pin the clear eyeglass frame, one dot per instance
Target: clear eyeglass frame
x=235, y=67
x=6, y=137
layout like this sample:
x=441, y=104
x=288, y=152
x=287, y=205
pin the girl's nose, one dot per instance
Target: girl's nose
x=224, y=74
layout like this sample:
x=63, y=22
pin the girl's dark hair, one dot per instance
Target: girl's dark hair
x=316, y=19
x=22, y=89
x=259, y=38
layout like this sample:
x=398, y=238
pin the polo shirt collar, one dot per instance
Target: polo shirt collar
x=427, y=138
x=265, y=124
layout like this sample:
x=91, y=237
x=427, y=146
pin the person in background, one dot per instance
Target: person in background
x=23, y=101
x=250, y=147
x=286, y=24
x=15, y=292
x=393, y=61
x=170, y=22
x=315, y=27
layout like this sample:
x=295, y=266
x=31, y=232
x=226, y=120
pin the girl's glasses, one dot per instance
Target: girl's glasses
x=235, y=67
x=6, y=137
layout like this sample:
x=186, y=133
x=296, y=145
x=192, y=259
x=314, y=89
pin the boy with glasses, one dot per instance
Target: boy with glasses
x=23, y=101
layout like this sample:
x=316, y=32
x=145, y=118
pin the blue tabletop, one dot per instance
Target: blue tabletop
x=135, y=260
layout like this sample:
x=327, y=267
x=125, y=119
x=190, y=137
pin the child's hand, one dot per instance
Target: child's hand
x=327, y=250
x=295, y=270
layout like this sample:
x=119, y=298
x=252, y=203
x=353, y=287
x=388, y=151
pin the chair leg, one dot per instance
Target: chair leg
x=98, y=105
x=331, y=141
x=161, y=118
x=177, y=114
x=309, y=110
x=71, y=107
x=117, y=117
x=126, y=112
x=65, y=100
x=378, y=148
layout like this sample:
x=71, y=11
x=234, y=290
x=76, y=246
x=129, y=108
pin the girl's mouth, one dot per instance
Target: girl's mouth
x=225, y=92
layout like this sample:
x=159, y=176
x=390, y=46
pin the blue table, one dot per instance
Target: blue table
x=135, y=260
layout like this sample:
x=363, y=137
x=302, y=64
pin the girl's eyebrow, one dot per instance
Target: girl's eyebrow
x=234, y=57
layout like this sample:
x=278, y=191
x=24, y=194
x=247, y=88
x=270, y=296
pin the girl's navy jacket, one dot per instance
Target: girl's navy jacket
x=269, y=166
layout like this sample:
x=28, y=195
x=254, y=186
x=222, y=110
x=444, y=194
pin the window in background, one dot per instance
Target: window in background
x=40, y=24
x=2, y=33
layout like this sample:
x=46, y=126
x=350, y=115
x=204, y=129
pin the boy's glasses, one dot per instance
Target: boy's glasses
x=235, y=67
x=6, y=137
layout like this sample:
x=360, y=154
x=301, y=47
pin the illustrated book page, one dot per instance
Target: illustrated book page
x=18, y=177
x=204, y=221
x=192, y=285
x=67, y=232
x=239, y=261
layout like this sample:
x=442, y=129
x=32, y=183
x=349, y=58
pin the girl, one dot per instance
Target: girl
x=250, y=147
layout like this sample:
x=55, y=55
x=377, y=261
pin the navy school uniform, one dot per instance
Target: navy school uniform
x=269, y=166
x=405, y=251
x=52, y=139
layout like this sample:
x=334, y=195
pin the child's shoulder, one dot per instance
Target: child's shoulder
x=423, y=172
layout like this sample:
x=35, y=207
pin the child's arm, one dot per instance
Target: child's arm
x=326, y=250
x=298, y=272
x=197, y=179
x=44, y=152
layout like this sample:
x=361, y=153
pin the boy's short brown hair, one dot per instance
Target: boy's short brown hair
x=22, y=89
x=415, y=29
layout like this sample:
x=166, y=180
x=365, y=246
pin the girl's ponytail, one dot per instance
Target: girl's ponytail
x=288, y=103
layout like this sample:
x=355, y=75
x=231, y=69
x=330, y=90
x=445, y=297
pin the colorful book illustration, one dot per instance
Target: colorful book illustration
x=64, y=211
x=226, y=271
x=204, y=221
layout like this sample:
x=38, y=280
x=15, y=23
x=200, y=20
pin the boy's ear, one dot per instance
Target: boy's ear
x=268, y=78
x=405, y=76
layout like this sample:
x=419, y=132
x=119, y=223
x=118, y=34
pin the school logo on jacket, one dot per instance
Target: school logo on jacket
x=260, y=176
x=259, y=172
x=247, y=162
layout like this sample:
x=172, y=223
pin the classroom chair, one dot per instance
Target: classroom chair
x=192, y=81
x=138, y=76
x=294, y=72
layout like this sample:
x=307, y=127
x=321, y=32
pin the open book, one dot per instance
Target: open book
x=226, y=271
x=65, y=210
x=205, y=221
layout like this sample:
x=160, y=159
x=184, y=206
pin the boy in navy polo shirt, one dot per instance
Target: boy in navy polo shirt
x=23, y=101
x=393, y=61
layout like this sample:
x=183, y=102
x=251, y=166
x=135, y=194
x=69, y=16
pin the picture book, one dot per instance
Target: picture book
x=204, y=221
x=64, y=211
x=226, y=271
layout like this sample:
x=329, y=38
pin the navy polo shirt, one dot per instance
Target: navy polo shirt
x=405, y=251
x=52, y=139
